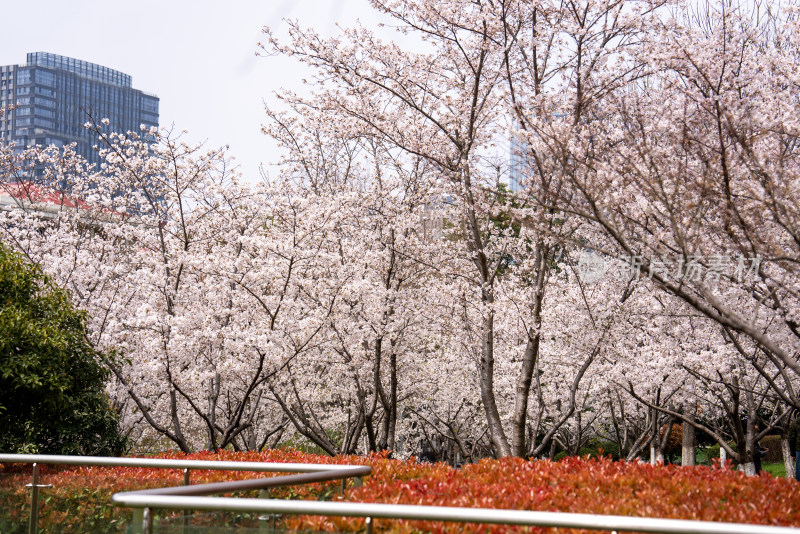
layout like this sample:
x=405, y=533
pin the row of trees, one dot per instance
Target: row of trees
x=385, y=291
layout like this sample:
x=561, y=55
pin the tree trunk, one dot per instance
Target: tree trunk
x=523, y=393
x=751, y=444
x=213, y=395
x=529, y=359
x=654, y=435
x=391, y=416
x=788, y=461
x=688, y=445
x=176, y=424
x=749, y=469
x=496, y=433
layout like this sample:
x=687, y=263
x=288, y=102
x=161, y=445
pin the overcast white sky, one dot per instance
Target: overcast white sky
x=198, y=56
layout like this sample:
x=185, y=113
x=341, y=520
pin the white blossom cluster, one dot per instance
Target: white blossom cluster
x=385, y=291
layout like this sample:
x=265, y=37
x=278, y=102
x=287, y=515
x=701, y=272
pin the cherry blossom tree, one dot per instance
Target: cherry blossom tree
x=444, y=107
x=681, y=150
x=190, y=280
x=385, y=290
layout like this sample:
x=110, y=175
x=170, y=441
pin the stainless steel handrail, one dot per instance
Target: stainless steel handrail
x=164, y=463
x=446, y=513
x=145, y=518
x=309, y=473
x=257, y=483
x=185, y=497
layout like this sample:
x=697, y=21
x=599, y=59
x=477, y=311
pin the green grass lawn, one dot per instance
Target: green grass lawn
x=776, y=469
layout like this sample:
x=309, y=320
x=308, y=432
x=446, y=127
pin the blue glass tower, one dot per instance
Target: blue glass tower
x=54, y=96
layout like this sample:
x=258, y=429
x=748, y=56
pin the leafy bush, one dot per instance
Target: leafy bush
x=773, y=444
x=600, y=448
x=81, y=498
x=597, y=486
x=52, y=396
x=593, y=449
x=711, y=453
x=675, y=440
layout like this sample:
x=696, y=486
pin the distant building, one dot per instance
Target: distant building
x=47, y=203
x=520, y=166
x=521, y=163
x=54, y=96
x=44, y=202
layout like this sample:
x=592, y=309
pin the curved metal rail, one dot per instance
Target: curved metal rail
x=164, y=463
x=309, y=473
x=195, y=498
x=445, y=513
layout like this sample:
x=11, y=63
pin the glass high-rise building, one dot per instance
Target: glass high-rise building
x=54, y=96
x=520, y=165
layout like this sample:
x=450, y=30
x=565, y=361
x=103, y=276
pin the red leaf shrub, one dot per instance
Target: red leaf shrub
x=599, y=486
x=572, y=485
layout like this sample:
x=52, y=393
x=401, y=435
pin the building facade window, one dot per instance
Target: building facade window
x=58, y=95
x=23, y=77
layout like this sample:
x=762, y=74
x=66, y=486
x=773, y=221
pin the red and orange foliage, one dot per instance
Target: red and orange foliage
x=675, y=440
x=572, y=485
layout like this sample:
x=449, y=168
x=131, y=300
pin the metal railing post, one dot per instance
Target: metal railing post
x=368, y=526
x=147, y=521
x=33, y=525
x=264, y=520
x=187, y=480
x=138, y=516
